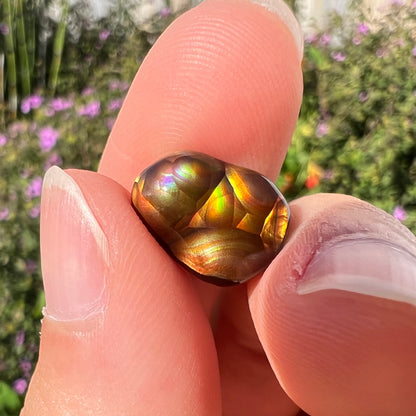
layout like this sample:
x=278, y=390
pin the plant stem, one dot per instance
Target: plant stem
x=10, y=61
x=41, y=45
x=31, y=40
x=2, y=94
x=22, y=51
x=58, y=46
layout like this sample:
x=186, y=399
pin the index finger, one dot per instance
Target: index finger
x=225, y=79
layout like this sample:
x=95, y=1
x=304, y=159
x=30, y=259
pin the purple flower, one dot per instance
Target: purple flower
x=325, y=39
x=87, y=91
x=399, y=213
x=338, y=56
x=54, y=159
x=30, y=103
x=322, y=129
x=19, y=338
x=114, y=85
x=60, y=104
x=4, y=29
x=414, y=51
x=3, y=140
x=26, y=367
x=103, y=35
x=4, y=214
x=47, y=138
x=20, y=385
x=363, y=29
x=414, y=4
x=363, y=96
x=34, y=212
x=397, y=2
x=115, y=104
x=35, y=188
x=91, y=109
x=25, y=106
x=356, y=40
x=165, y=12
x=36, y=101
x=311, y=38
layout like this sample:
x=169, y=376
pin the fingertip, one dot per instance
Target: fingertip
x=284, y=12
x=225, y=79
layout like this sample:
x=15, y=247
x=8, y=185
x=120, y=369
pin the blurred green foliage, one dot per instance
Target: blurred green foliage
x=68, y=128
x=356, y=135
x=43, y=43
x=80, y=124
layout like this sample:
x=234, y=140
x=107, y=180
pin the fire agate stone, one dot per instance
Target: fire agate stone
x=223, y=222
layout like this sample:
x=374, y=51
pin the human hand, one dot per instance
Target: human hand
x=127, y=332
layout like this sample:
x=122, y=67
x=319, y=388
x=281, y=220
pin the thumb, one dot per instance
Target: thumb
x=119, y=334
x=335, y=311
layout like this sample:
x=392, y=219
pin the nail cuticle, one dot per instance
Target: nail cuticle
x=359, y=238
x=362, y=264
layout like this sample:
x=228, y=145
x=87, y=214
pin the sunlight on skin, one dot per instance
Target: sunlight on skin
x=142, y=342
x=148, y=337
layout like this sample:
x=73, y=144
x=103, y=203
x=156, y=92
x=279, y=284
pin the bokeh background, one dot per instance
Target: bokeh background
x=65, y=68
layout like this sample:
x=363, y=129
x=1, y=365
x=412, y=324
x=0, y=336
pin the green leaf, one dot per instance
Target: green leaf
x=9, y=400
x=316, y=57
x=39, y=305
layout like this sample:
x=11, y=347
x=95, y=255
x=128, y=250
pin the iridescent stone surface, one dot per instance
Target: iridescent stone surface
x=223, y=222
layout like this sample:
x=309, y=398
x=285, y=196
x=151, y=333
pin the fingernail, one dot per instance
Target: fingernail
x=367, y=266
x=74, y=250
x=280, y=8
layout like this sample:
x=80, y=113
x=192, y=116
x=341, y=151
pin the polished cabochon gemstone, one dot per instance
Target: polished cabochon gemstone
x=223, y=222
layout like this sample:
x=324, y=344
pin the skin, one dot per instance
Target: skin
x=167, y=343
